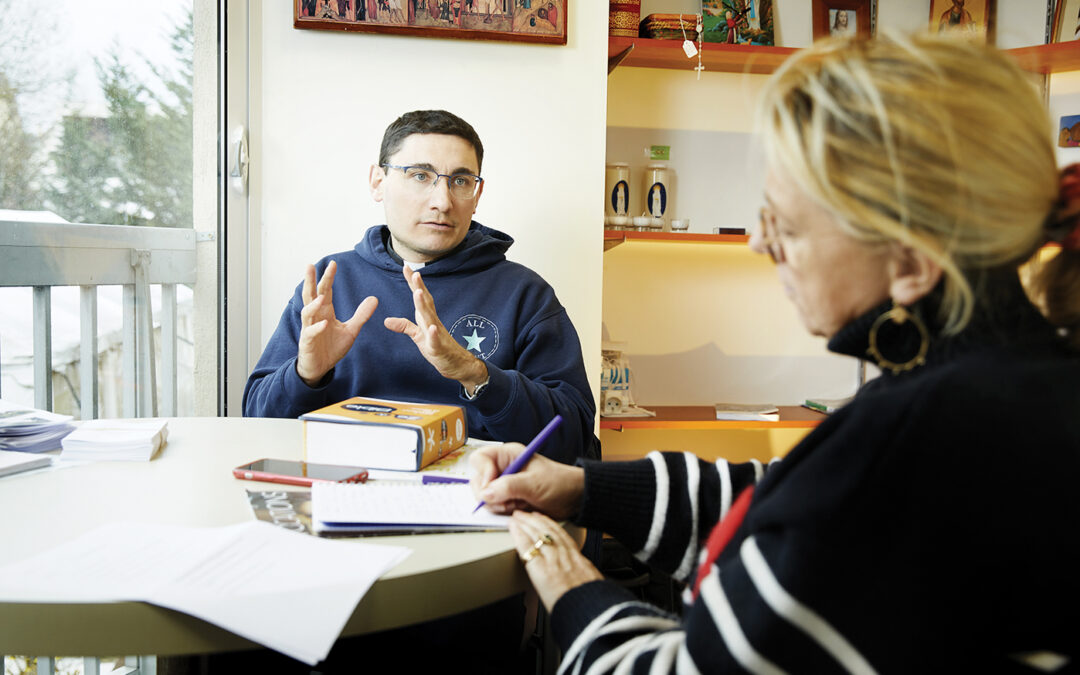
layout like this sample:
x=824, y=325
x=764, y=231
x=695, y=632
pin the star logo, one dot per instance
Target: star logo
x=474, y=341
x=473, y=331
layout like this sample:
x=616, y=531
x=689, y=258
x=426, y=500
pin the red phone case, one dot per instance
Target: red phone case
x=248, y=474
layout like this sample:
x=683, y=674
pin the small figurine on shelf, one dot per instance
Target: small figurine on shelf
x=615, y=397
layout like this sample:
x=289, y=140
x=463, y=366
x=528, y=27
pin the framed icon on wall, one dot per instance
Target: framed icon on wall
x=839, y=18
x=971, y=19
x=738, y=22
x=542, y=21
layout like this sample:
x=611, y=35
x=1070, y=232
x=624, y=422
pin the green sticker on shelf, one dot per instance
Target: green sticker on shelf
x=659, y=152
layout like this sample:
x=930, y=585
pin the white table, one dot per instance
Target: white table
x=191, y=483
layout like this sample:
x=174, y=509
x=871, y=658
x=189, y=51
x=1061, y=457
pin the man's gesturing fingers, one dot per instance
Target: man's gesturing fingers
x=363, y=312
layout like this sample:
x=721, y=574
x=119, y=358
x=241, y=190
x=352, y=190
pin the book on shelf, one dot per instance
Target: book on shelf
x=826, y=405
x=760, y=412
x=115, y=439
x=17, y=462
x=24, y=429
x=383, y=434
x=389, y=507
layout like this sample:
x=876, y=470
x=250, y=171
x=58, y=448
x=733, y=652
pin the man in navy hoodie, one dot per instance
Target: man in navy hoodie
x=460, y=323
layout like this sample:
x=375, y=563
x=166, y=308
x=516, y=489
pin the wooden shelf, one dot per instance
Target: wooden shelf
x=649, y=53
x=703, y=417
x=1055, y=58
x=613, y=238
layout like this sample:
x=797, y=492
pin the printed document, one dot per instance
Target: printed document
x=239, y=577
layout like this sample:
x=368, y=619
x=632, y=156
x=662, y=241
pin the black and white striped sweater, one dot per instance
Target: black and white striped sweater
x=932, y=525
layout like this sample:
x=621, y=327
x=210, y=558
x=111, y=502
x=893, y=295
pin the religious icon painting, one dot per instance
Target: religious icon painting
x=970, y=19
x=842, y=18
x=738, y=22
x=1069, y=131
x=541, y=21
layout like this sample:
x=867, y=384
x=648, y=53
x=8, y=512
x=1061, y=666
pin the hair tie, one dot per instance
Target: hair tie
x=1063, y=223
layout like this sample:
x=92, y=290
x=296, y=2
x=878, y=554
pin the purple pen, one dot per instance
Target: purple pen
x=521, y=460
x=444, y=479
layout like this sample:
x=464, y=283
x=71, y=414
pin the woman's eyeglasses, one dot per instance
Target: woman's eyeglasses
x=769, y=237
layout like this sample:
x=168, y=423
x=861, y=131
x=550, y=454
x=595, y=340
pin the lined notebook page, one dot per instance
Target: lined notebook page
x=393, y=503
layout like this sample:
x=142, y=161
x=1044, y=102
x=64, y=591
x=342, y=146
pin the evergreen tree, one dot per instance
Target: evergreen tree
x=83, y=163
x=133, y=167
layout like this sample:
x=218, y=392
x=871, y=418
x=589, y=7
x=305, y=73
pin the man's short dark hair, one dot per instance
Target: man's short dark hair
x=428, y=122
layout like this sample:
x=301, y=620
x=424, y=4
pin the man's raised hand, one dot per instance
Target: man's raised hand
x=323, y=339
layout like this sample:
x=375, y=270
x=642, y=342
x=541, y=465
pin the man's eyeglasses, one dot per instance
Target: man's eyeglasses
x=769, y=238
x=423, y=181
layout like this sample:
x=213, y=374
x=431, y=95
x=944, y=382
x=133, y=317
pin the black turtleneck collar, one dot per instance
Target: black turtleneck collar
x=1003, y=314
x=388, y=242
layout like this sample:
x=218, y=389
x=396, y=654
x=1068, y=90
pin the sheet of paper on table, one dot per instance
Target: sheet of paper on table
x=18, y=462
x=238, y=577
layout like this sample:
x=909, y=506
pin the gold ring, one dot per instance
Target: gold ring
x=535, y=550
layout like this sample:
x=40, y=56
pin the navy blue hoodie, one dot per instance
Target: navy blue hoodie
x=505, y=313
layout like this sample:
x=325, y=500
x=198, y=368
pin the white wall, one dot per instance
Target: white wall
x=321, y=100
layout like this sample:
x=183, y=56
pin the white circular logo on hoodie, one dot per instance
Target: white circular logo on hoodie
x=476, y=334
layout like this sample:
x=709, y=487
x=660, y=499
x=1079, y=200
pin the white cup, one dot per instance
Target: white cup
x=680, y=224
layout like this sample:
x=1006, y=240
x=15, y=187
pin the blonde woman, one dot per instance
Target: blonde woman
x=930, y=525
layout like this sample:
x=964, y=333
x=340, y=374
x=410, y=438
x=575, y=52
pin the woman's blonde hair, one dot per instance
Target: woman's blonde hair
x=939, y=144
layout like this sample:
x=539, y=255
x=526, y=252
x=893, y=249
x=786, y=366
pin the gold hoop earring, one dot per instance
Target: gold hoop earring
x=899, y=315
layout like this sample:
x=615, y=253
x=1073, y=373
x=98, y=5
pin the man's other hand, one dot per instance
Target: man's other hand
x=433, y=340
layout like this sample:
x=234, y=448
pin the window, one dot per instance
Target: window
x=96, y=129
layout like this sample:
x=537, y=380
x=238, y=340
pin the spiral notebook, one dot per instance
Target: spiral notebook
x=388, y=506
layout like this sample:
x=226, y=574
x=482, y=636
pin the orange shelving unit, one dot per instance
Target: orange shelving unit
x=703, y=417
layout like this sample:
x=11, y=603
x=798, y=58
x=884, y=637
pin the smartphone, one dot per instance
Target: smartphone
x=299, y=473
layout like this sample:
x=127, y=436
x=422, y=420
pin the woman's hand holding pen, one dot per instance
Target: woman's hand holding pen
x=542, y=485
x=551, y=557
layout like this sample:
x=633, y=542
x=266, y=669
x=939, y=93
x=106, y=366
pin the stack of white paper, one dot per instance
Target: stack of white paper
x=25, y=429
x=288, y=591
x=17, y=462
x=762, y=412
x=134, y=439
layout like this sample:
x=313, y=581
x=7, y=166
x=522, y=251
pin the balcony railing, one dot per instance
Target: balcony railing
x=46, y=255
